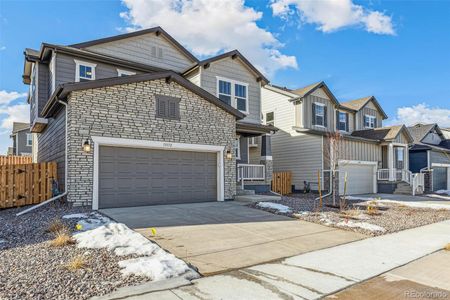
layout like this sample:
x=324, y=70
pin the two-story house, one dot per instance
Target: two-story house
x=21, y=140
x=430, y=155
x=136, y=119
x=374, y=158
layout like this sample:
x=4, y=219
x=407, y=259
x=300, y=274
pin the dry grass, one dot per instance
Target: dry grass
x=447, y=247
x=62, y=239
x=76, y=263
x=351, y=214
x=372, y=209
x=57, y=226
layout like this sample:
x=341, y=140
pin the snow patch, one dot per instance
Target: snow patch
x=362, y=225
x=75, y=216
x=439, y=196
x=276, y=206
x=447, y=192
x=157, y=267
x=415, y=204
x=153, y=262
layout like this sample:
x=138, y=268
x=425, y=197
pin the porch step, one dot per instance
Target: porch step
x=403, y=188
x=242, y=192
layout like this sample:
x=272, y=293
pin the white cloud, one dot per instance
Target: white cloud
x=7, y=97
x=422, y=113
x=2, y=48
x=14, y=113
x=209, y=27
x=332, y=15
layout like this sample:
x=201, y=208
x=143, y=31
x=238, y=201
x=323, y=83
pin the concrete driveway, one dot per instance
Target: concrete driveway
x=220, y=236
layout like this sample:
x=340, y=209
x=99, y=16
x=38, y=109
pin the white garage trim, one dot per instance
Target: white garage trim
x=131, y=143
x=362, y=162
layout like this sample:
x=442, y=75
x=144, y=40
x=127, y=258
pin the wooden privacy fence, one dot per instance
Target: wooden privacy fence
x=26, y=184
x=15, y=160
x=282, y=182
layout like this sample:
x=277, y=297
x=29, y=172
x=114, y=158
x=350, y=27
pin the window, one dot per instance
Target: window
x=370, y=121
x=121, y=73
x=319, y=114
x=84, y=71
x=399, y=157
x=225, y=91
x=342, y=121
x=270, y=118
x=29, y=139
x=237, y=147
x=252, y=142
x=167, y=107
x=233, y=93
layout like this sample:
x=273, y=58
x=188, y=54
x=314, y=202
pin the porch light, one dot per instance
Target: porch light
x=87, y=146
x=229, y=154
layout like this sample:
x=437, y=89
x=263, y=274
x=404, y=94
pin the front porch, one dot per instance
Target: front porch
x=394, y=176
x=253, y=158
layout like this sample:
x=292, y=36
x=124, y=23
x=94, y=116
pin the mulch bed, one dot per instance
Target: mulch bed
x=392, y=217
x=32, y=269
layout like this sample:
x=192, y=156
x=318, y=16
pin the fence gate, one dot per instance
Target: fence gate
x=282, y=182
x=26, y=184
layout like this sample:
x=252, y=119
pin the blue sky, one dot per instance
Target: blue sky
x=398, y=51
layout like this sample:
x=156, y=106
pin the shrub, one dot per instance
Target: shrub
x=447, y=247
x=57, y=226
x=76, y=263
x=62, y=239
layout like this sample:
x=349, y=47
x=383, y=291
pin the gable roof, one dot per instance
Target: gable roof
x=18, y=126
x=233, y=54
x=383, y=133
x=63, y=90
x=305, y=91
x=358, y=104
x=419, y=131
x=157, y=30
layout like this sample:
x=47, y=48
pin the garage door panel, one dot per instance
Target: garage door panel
x=360, y=178
x=133, y=177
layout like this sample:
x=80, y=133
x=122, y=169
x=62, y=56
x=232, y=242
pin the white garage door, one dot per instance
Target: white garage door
x=360, y=178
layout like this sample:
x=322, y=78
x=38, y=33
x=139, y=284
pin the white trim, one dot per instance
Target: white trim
x=233, y=96
x=370, y=117
x=440, y=165
x=121, y=72
x=79, y=63
x=374, y=164
x=29, y=139
x=238, y=148
x=269, y=157
x=119, y=142
x=428, y=159
x=53, y=71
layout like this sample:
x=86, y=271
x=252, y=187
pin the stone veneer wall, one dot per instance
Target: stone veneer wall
x=128, y=111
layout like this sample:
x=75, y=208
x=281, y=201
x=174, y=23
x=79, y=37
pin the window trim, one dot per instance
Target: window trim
x=29, y=140
x=237, y=147
x=233, y=95
x=265, y=118
x=370, y=117
x=79, y=63
x=121, y=72
x=323, y=116
x=345, y=122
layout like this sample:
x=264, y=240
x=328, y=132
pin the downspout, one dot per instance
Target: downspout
x=65, y=173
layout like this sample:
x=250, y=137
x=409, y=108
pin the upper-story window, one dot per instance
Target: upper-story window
x=319, y=114
x=270, y=118
x=342, y=123
x=233, y=93
x=370, y=121
x=84, y=71
x=121, y=73
x=29, y=139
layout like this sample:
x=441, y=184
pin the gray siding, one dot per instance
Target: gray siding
x=357, y=150
x=306, y=113
x=43, y=89
x=22, y=145
x=243, y=146
x=65, y=69
x=51, y=144
x=234, y=70
x=145, y=49
x=194, y=77
x=401, y=138
x=370, y=110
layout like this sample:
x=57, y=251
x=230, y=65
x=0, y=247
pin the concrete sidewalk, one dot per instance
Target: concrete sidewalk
x=319, y=273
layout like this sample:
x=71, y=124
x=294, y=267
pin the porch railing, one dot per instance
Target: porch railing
x=415, y=180
x=251, y=172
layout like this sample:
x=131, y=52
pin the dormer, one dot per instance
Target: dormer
x=368, y=112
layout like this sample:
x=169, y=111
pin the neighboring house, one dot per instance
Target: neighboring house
x=22, y=139
x=375, y=158
x=138, y=120
x=429, y=153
